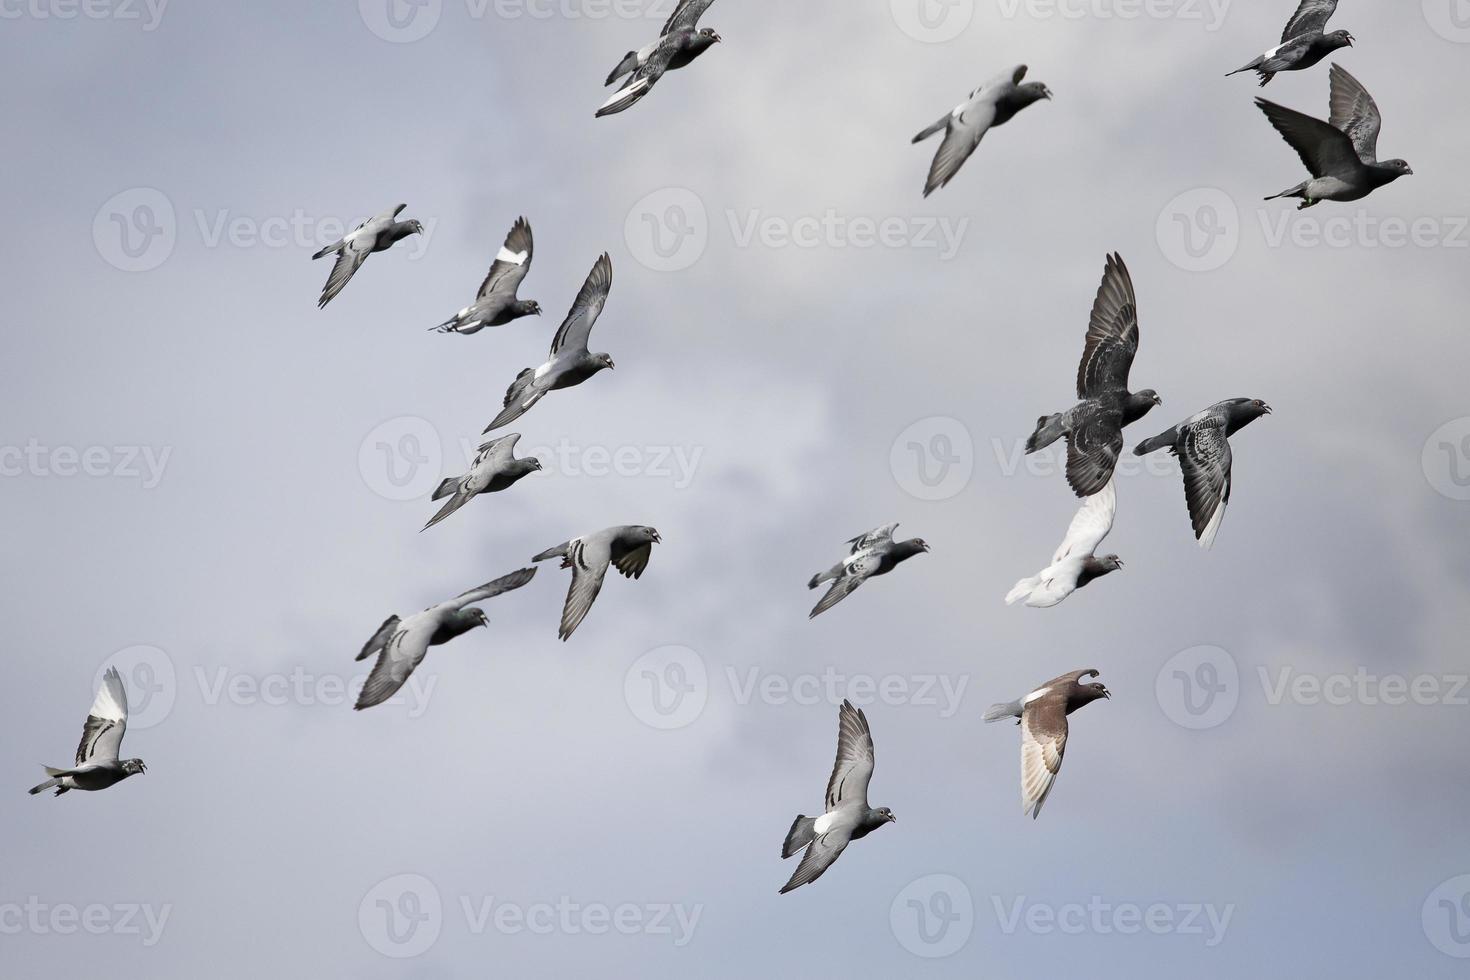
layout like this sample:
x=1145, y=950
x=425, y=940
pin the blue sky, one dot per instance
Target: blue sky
x=219, y=488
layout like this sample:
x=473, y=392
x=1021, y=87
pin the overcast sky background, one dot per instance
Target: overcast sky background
x=794, y=379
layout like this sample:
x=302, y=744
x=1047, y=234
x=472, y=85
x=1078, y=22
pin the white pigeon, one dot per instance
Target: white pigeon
x=1075, y=564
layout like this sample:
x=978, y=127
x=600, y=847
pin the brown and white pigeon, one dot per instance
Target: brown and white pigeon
x=1043, y=720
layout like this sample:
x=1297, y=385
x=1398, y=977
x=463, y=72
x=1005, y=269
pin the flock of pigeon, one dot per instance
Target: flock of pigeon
x=1341, y=155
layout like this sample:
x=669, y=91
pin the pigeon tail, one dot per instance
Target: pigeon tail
x=53, y=781
x=454, y=504
x=1022, y=590
x=803, y=832
x=560, y=551
x=629, y=63
x=335, y=247
x=999, y=711
x=1158, y=442
x=930, y=131
x=1300, y=190
x=834, y=572
x=1049, y=428
x=446, y=488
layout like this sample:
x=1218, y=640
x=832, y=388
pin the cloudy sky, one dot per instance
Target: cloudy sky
x=218, y=488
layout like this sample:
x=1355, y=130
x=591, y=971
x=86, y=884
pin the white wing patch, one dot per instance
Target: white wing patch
x=111, y=702
x=514, y=258
x=1207, y=539
x=823, y=823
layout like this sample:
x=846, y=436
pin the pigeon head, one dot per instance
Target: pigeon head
x=1396, y=168
x=527, y=307
x=480, y=618
x=1241, y=412
x=132, y=767
x=711, y=35
x=1339, y=39
x=416, y=227
x=909, y=548
x=534, y=464
x=1033, y=92
x=603, y=362
x=1139, y=404
x=886, y=814
x=648, y=534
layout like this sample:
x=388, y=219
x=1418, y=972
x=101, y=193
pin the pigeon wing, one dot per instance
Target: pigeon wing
x=588, y=559
x=577, y=327
x=107, y=721
x=1325, y=150
x=635, y=562
x=1112, y=334
x=1205, y=459
x=490, y=590
x=966, y=129
x=1093, y=448
x=872, y=539
x=500, y=450
x=399, y=657
x=1355, y=113
x=686, y=15
x=512, y=262
x=820, y=854
x=857, y=572
x=853, y=768
x=1310, y=18
x=355, y=251
x=1043, y=743
x=1093, y=521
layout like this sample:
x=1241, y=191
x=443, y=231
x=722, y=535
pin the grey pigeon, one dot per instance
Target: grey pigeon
x=494, y=469
x=401, y=644
x=1342, y=153
x=377, y=234
x=1075, y=563
x=627, y=547
x=992, y=104
x=680, y=43
x=98, y=766
x=1043, y=720
x=874, y=553
x=1094, y=427
x=1303, y=43
x=846, y=815
x=570, y=362
x=1202, y=443
x=496, y=303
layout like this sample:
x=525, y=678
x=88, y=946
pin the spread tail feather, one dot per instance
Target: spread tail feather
x=629, y=63
x=802, y=832
x=1022, y=590
x=999, y=711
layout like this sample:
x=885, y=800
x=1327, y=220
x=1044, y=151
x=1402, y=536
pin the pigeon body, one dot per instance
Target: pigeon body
x=1202, y=443
x=846, y=815
x=496, y=304
x=570, y=362
x=495, y=468
x=402, y=644
x=680, y=43
x=1342, y=153
x=874, y=553
x=1075, y=563
x=1303, y=43
x=1094, y=427
x=377, y=234
x=627, y=547
x=1042, y=716
x=97, y=763
x=993, y=104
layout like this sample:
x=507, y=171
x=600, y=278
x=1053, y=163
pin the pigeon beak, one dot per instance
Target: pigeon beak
x=1409, y=171
x=1267, y=408
x=718, y=39
x=1159, y=401
x=657, y=539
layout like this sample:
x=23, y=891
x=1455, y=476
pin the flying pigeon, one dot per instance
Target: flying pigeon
x=874, y=553
x=1303, y=43
x=992, y=104
x=1094, y=427
x=1202, y=443
x=628, y=547
x=1342, y=154
x=846, y=815
x=98, y=765
x=401, y=644
x=495, y=469
x=496, y=304
x=1043, y=720
x=680, y=43
x=570, y=362
x=374, y=235
x=1075, y=564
